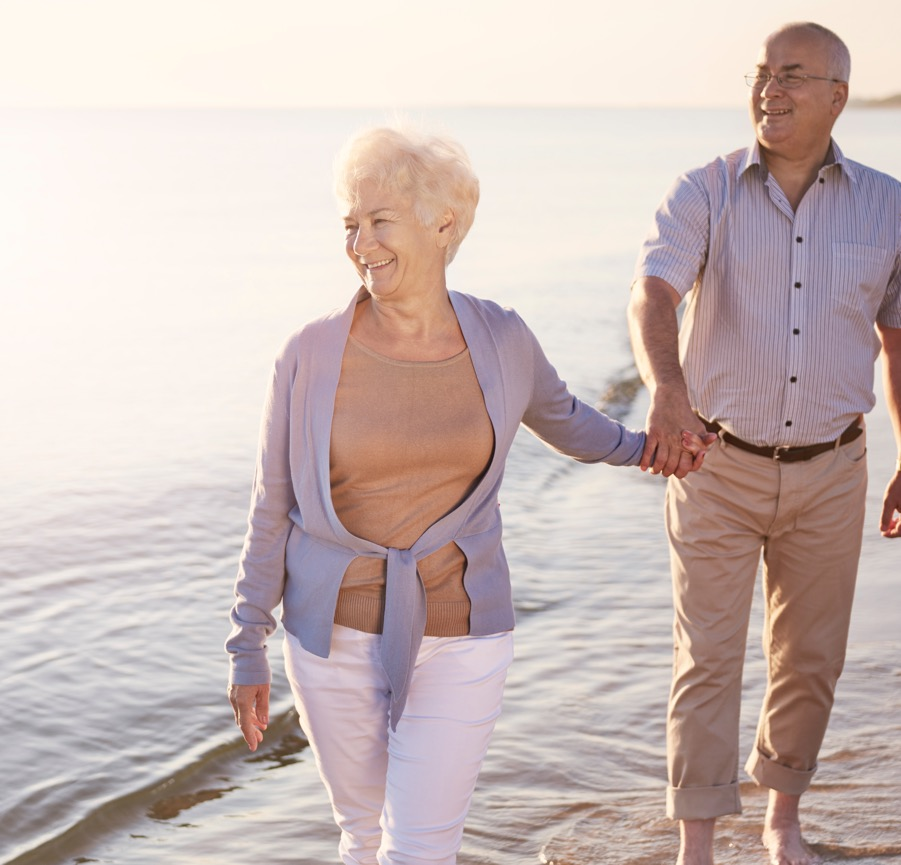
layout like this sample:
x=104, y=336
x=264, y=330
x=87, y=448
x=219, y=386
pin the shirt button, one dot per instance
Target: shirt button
x=798, y=239
x=793, y=379
x=796, y=331
x=797, y=285
x=822, y=180
x=788, y=423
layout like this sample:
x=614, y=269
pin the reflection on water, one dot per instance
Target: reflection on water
x=158, y=261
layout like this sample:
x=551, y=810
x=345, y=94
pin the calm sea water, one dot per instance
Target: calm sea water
x=151, y=263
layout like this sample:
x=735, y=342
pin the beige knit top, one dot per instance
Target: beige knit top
x=409, y=442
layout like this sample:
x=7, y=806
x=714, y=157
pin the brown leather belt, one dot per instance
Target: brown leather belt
x=789, y=454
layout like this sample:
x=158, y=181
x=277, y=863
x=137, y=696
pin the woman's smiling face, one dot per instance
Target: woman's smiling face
x=394, y=253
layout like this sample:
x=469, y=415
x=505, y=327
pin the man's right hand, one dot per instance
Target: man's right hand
x=666, y=452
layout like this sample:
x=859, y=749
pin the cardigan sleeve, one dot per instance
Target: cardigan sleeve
x=261, y=572
x=570, y=426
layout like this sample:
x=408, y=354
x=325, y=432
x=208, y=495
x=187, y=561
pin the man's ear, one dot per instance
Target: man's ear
x=839, y=98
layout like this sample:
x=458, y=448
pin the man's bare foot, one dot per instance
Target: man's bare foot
x=782, y=832
x=697, y=842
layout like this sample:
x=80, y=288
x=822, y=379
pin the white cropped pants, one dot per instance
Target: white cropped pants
x=400, y=798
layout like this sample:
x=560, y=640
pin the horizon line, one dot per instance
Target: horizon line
x=855, y=102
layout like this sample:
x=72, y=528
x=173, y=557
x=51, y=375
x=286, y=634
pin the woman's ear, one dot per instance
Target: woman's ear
x=446, y=229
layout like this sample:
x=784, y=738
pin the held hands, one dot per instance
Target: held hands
x=250, y=704
x=677, y=441
x=690, y=456
x=697, y=445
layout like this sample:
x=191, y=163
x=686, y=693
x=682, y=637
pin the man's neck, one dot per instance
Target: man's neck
x=795, y=174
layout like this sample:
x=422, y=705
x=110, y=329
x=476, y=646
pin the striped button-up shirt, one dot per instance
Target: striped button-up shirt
x=777, y=340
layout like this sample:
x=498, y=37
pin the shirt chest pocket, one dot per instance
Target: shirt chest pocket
x=860, y=276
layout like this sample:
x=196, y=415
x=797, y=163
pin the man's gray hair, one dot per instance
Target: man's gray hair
x=839, y=55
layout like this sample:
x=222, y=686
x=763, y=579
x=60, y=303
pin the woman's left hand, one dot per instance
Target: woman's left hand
x=250, y=703
x=697, y=446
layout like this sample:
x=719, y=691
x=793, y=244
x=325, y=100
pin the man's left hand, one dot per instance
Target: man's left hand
x=890, y=522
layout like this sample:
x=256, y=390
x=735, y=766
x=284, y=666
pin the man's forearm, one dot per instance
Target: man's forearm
x=890, y=519
x=655, y=342
x=654, y=330
x=891, y=374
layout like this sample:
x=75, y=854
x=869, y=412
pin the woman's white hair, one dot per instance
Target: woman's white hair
x=432, y=170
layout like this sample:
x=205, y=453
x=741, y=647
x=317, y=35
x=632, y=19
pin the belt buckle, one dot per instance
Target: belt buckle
x=779, y=452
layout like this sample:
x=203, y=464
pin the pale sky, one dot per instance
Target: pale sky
x=405, y=53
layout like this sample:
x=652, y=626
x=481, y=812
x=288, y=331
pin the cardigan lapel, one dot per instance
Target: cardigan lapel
x=325, y=371
x=486, y=359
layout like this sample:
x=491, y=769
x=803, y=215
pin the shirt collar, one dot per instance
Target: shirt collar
x=834, y=157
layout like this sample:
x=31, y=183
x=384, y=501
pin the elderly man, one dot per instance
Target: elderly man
x=790, y=256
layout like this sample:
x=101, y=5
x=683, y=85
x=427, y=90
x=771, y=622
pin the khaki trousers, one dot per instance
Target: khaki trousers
x=807, y=520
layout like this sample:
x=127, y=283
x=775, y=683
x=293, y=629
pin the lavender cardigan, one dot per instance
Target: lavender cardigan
x=296, y=550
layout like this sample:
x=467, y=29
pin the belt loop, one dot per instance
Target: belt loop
x=838, y=443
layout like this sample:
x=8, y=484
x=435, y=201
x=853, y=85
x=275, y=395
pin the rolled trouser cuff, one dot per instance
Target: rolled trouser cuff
x=702, y=803
x=784, y=779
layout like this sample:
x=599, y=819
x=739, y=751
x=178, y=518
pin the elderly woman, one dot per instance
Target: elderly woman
x=374, y=518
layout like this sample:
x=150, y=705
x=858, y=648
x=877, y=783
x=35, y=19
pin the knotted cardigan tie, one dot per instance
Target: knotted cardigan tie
x=405, y=617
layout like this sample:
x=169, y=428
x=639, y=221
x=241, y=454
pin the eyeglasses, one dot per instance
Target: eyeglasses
x=789, y=80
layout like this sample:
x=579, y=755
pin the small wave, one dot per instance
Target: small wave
x=212, y=776
x=851, y=852
x=620, y=394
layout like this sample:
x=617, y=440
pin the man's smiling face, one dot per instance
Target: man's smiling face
x=796, y=121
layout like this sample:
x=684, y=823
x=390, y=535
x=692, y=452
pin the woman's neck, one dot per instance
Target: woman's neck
x=421, y=330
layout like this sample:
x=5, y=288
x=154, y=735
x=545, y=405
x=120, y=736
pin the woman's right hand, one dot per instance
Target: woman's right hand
x=250, y=703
